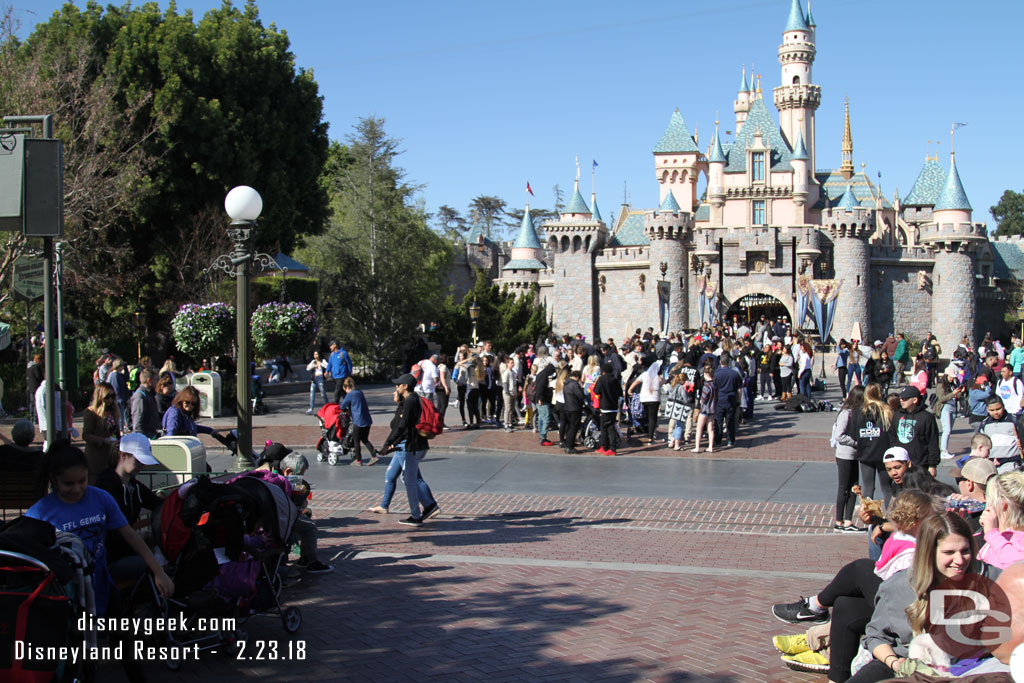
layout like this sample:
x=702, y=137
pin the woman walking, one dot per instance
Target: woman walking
x=947, y=393
x=316, y=368
x=649, y=383
x=842, y=360
x=846, y=460
x=707, y=407
x=806, y=366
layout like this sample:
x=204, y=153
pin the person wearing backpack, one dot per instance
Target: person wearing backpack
x=846, y=461
x=407, y=447
x=1011, y=390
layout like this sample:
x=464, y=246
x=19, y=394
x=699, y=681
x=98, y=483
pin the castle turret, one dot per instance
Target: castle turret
x=799, y=161
x=573, y=241
x=954, y=240
x=797, y=98
x=850, y=225
x=716, y=179
x=668, y=229
x=523, y=269
x=742, y=103
x=678, y=163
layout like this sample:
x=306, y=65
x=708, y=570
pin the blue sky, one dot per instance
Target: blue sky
x=486, y=96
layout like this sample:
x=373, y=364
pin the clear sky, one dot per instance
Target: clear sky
x=486, y=96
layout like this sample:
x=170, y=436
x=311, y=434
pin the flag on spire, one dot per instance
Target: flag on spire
x=577, y=168
x=529, y=189
x=595, y=163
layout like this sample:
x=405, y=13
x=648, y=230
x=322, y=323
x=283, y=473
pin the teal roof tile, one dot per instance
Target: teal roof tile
x=703, y=213
x=717, y=153
x=834, y=185
x=928, y=185
x=576, y=203
x=527, y=234
x=758, y=119
x=630, y=233
x=952, y=195
x=849, y=201
x=800, y=150
x=677, y=137
x=524, y=264
x=594, y=211
x=1008, y=260
x=797, y=21
x=669, y=203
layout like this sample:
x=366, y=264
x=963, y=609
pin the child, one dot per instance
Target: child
x=89, y=513
x=293, y=466
x=981, y=447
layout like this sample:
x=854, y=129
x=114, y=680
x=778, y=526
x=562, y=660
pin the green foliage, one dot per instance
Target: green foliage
x=263, y=290
x=204, y=329
x=506, y=319
x=379, y=264
x=281, y=328
x=1009, y=213
x=487, y=210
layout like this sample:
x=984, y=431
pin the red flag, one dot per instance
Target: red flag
x=528, y=189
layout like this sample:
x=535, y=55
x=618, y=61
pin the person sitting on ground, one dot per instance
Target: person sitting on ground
x=1003, y=520
x=1002, y=429
x=852, y=593
x=180, y=418
x=293, y=466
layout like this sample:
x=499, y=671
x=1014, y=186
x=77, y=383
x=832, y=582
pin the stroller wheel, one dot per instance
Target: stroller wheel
x=332, y=458
x=321, y=446
x=589, y=441
x=291, y=619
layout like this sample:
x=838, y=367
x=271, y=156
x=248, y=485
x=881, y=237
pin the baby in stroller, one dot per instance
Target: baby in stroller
x=337, y=434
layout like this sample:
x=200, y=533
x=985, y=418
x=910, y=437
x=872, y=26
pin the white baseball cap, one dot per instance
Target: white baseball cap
x=138, y=445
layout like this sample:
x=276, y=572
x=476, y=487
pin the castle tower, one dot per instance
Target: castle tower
x=668, y=229
x=523, y=269
x=850, y=226
x=716, y=179
x=678, y=163
x=797, y=98
x=742, y=103
x=799, y=161
x=573, y=240
x=954, y=240
x=846, y=169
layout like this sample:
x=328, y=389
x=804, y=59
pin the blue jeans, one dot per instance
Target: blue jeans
x=805, y=383
x=543, y=420
x=316, y=384
x=854, y=370
x=407, y=464
x=946, y=419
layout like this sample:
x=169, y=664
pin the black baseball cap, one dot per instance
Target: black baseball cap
x=406, y=379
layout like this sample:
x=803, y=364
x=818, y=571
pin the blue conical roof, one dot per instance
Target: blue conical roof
x=670, y=203
x=848, y=201
x=800, y=150
x=677, y=137
x=797, y=21
x=743, y=81
x=527, y=235
x=810, y=18
x=952, y=196
x=928, y=185
x=593, y=208
x=717, y=153
x=576, y=203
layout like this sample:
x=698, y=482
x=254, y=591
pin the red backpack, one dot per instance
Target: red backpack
x=431, y=423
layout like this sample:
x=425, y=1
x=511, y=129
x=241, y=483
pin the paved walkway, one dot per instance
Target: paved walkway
x=547, y=567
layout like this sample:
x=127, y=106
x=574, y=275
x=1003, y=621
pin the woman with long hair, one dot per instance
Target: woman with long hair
x=786, y=365
x=869, y=427
x=475, y=374
x=846, y=460
x=805, y=368
x=101, y=429
x=841, y=365
x=707, y=407
x=180, y=418
x=461, y=375
x=948, y=391
x=1003, y=520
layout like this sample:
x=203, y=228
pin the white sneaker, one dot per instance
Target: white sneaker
x=946, y=455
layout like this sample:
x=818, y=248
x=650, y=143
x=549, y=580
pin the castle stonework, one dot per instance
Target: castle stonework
x=768, y=218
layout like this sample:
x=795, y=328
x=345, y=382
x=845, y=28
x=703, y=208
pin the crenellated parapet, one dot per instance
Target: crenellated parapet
x=668, y=225
x=964, y=236
x=858, y=222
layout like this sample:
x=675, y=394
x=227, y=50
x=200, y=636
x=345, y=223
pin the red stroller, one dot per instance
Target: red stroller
x=337, y=434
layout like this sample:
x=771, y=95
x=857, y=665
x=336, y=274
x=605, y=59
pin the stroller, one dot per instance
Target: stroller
x=44, y=587
x=337, y=434
x=590, y=429
x=226, y=541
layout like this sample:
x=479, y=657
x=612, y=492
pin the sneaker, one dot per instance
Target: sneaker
x=378, y=510
x=411, y=521
x=545, y=442
x=813, y=662
x=318, y=567
x=372, y=461
x=600, y=451
x=791, y=645
x=837, y=527
x=356, y=463
x=946, y=455
x=799, y=612
x=853, y=529
x=309, y=412
x=571, y=451
x=608, y=453
x=430, y=511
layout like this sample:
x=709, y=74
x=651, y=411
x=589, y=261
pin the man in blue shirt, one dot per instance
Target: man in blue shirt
x=339, y=366
x=728, y=382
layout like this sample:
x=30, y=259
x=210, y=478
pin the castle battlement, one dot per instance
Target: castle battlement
x=957, y=231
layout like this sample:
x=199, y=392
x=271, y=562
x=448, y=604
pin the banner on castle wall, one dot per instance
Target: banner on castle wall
x=824, y=297
x=664, y=292
x=711, y=300
x=803, y=288
x=701, y=308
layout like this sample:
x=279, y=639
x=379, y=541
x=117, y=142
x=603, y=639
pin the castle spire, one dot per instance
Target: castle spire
x=800, y=149
x=846, y=170
x=594, y=212
x=810, y=17
x=743, y=80
x=797, y=21
x=952, y=196
x=717, y=154
x=527, y=238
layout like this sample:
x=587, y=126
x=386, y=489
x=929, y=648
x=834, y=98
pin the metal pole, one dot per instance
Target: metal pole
x=62, y=381
x=49, y=350
x=242, y=257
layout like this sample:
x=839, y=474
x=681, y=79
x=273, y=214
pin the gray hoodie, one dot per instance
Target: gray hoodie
x=889, y=624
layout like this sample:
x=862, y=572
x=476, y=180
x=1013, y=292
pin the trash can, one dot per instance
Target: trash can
x=208, y=386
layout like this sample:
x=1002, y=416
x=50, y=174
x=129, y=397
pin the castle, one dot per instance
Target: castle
x=771, y=235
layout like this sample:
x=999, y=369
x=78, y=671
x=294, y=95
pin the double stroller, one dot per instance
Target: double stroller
x=337, y=434
x=226, y=540
x=44, y=588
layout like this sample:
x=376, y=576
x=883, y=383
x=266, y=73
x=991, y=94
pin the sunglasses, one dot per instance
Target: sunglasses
x=187, y=403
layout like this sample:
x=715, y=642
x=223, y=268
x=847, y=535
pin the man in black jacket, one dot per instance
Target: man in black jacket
x=572, y=409
x=542, y=393
x=609, y=392
x=729, y=384
x=914, y=428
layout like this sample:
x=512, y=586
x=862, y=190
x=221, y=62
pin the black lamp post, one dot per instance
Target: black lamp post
x=140, y=325
x=474, y=315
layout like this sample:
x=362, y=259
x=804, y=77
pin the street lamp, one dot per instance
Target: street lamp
x=474, y=315
x=243, y=204
x=140, y=325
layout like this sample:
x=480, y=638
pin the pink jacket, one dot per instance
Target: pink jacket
x=1002, y=548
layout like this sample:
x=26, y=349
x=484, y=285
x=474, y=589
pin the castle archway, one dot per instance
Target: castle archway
x=750, y=303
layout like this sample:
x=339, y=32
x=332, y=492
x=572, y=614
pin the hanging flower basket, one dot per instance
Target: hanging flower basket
x=204, y=329
x=279, y=328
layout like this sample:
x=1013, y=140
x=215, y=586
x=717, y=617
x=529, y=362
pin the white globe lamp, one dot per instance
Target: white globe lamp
x=243, y=203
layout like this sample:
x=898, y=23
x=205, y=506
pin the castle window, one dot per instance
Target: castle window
x=796, y=80
x=759, y=217
x=757, y=166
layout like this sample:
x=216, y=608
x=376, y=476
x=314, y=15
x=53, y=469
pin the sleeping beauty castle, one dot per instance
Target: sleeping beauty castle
x=772, y=235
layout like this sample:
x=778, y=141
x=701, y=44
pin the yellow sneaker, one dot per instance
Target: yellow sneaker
x=813, y=662
x=790, y=645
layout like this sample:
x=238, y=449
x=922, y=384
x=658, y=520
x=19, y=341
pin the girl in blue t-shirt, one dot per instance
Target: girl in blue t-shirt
x=89, y=513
